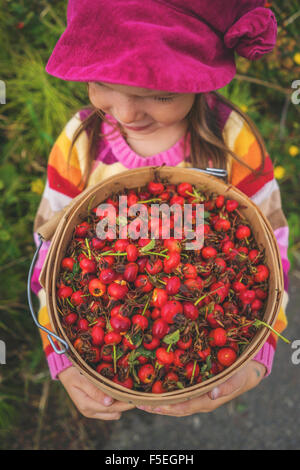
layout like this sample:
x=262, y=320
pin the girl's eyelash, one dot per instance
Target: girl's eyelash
x=164, y=98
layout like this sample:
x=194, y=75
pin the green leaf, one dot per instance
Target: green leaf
x=76, y=268
x=172, y=338
x=121, y=220
x=148, y=247
x=208, y=362
x=179, y=385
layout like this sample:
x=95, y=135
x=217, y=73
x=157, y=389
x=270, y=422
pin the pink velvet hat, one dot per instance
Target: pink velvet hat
x=173, y=45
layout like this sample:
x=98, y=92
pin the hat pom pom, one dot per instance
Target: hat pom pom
x=254, y=34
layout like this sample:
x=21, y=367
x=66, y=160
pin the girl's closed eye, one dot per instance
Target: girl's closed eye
x=164, y=99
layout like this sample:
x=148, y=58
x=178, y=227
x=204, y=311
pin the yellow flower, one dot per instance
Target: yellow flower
x=279, y=172
x=244, y=108
x=293, y=150
x=297, y=58
x=37, y=186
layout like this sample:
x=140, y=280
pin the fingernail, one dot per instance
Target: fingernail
x=107, y=401
x=215, y=393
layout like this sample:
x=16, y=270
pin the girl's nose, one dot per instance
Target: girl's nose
x=126, y=111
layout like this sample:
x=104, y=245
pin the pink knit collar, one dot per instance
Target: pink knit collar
x=130, y=159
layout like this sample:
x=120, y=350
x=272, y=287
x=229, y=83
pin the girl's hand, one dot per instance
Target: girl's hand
x=89, y=400
x=239, y=383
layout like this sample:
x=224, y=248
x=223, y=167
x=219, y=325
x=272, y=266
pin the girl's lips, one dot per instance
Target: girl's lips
x=136, y=128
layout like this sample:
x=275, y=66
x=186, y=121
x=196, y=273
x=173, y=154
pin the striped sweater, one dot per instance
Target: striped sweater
x=114, y=156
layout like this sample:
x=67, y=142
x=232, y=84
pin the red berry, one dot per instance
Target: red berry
x=82, y=229
x=170, y=309
x=132, y=252
x=173, y=285
x=78, y=298
x=140, y=320
x=121, y=245
x=222, y=225
x=253, y=256
x=154, y=267
x=189, y=368
x=204, y=353
x=160, y=328
x=159, y=297
x=105, y=368
x=184, y=344
x=96, y=287
x=131, y=272
x=97, y=244
x=164, y=357
x=83, y=324
x=247, y=296
x=226, y=356
x=219, y=202
x=64, y=292
x=183, y=188
x=97, y=334
x=157, y=387
x=173, y=245
x=190, y=310
x=95, y=355
x=155, y=188
x=231, y=205
x=117, y=290
x=112, y=338
x=208, y=252
x=68, y=264
x=242, y=232
x=171, y=263
x=119, y=323
x=215, y=315
x=189, y=271
x=177, y=354
x=128, y=382
x=107, y=275
x=146, y=373
x=153, y=344
x=88, y=265
x=262, y=273
x=218, y=337
x=70, y=319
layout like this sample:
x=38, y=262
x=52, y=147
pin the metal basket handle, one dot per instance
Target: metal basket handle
x=50, y=334
x=218, y=172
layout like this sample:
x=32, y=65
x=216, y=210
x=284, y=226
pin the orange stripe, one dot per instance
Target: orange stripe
x=252, y=158
x=57, y=160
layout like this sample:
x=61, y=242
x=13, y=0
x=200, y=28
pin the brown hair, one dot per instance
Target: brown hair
x=207, y=141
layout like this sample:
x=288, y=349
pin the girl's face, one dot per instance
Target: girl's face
x=140, y=110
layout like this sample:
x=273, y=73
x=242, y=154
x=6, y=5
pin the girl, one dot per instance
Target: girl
x=152, y=69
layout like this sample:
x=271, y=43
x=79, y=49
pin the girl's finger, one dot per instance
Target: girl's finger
x=232, y=385
x=86, y=402
x=95, y=393
x=107, y=416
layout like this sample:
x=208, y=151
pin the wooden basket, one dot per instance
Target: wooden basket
x=62, y=226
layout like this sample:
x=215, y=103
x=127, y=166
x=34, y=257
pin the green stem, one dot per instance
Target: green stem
x=258, y=323
x=146, y=305
x=112, y=253
x=149, y=200
x=208, y=293
x=115, y=358
x=153, y=253
x=70, y=302
x=88, y=247
x=193, y=373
